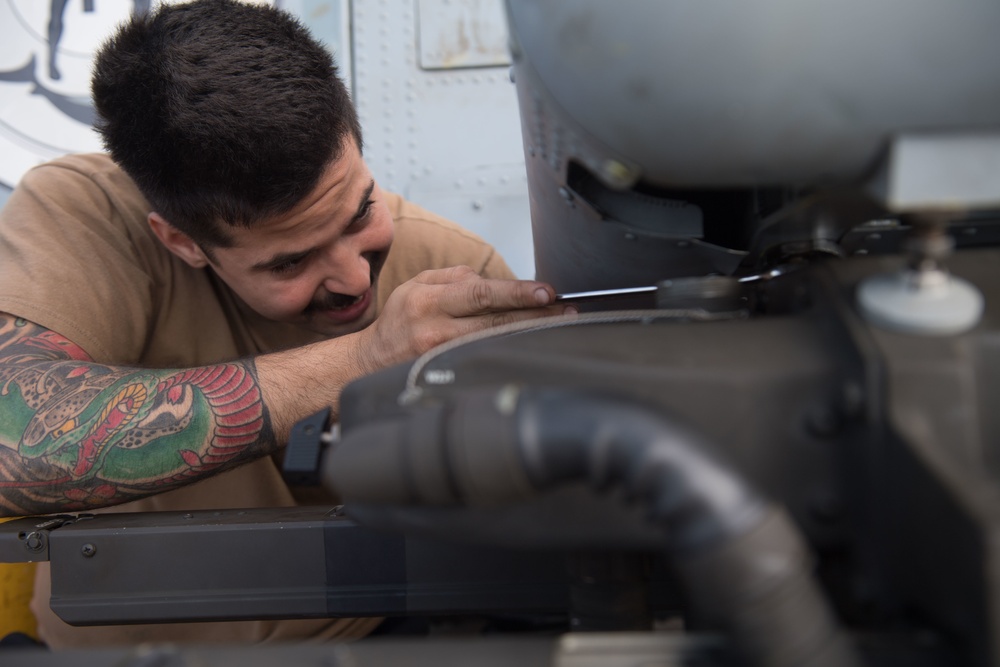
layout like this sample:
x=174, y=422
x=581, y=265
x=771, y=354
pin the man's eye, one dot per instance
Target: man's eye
x=362, y=216
x=286, y=267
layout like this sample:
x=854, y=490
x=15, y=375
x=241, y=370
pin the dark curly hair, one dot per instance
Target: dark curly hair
x=220, y=112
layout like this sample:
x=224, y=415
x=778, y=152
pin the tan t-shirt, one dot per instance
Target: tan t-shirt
x=77, y=257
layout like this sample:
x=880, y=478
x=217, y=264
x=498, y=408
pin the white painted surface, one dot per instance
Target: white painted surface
x=430, y=79
x=447, y=138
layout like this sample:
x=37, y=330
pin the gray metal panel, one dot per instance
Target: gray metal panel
x=173, y=565
x=463, y=33
x=448, y=139
x=775, y=91
x=298, y=562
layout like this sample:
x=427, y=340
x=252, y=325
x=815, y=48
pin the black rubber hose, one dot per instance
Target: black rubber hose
x=568, y=436
x=742, y=561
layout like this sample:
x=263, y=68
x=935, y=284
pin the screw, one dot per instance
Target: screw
x=34, y=541
x=88, y=550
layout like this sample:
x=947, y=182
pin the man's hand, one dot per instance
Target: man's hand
x=439, y=305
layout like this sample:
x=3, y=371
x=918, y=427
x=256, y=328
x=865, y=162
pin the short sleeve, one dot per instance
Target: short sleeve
x=71, y=256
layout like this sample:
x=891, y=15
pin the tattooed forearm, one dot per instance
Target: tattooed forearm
x=76, y=435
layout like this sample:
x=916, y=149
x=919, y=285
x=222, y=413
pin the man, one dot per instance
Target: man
x=164, y=329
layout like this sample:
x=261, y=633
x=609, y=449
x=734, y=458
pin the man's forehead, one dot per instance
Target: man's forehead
x=342, y=189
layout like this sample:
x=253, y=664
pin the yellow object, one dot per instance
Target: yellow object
x=17, y=582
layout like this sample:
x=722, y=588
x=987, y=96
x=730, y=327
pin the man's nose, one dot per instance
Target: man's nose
x=348, y=273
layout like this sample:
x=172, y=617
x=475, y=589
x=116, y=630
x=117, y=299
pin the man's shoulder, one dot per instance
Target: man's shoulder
x=425, y=240
x=91, y=185
x=417, y=226
x=94, y=166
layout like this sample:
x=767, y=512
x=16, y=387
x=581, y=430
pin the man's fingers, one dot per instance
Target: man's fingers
x=469, y=294
x=479, y=297
x=437, y=306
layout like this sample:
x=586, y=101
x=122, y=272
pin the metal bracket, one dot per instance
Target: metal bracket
x=27, y=540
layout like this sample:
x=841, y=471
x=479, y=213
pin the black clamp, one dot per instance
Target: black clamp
x=304, y=452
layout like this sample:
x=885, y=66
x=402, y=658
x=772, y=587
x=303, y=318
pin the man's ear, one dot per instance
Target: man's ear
x=177, y=241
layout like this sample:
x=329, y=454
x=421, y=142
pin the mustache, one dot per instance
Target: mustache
x=335, y=300
x=332, y=301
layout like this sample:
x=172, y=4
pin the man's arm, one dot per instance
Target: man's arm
x=76, y=435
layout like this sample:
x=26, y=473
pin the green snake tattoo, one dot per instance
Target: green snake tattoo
x=98, y=435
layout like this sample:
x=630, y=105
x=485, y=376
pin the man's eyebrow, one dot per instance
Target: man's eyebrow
x=362, y=205
x=282, y=258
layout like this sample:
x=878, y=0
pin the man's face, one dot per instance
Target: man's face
x=318, y=264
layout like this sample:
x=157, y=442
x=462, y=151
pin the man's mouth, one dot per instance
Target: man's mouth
x=340, y=301
x=345, y=308
x=345, y=311
x=342, y=308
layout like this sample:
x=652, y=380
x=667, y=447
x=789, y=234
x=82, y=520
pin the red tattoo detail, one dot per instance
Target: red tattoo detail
x=100, y=492
x=191, y=458
x=239, y=413
x=50, y=340
x=90, y=446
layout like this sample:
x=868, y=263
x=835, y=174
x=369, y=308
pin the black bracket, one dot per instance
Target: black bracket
x=305, y=450
x=27, y=540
